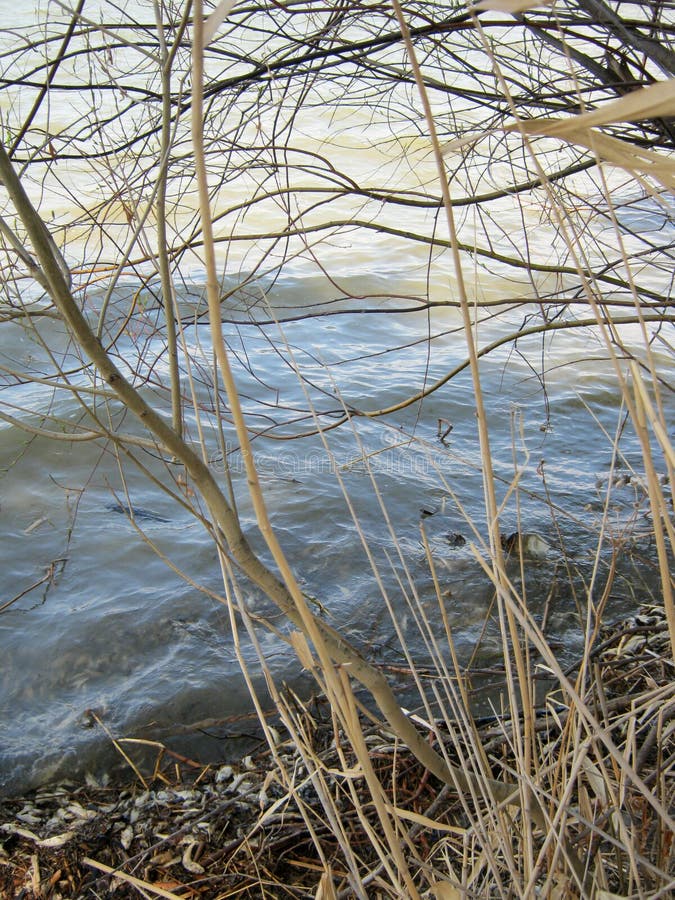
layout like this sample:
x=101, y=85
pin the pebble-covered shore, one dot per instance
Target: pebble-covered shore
x=81, y=841
x=211, y=832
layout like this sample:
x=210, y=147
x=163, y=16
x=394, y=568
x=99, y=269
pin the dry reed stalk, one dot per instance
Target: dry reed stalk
x=528, y=802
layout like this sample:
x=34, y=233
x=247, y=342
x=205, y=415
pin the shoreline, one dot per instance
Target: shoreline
x=216, y=831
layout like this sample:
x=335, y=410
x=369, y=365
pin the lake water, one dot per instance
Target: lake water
x=95, y=618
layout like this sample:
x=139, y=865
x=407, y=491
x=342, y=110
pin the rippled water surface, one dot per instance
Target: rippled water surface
x=101, y=622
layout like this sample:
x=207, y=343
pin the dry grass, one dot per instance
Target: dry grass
x=566, y=795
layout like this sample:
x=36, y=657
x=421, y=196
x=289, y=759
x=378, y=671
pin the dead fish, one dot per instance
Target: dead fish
x=528, y=545
x=135, y=512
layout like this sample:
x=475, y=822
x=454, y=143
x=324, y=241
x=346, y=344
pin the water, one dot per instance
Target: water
x=103, y=617
x=103, y=624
